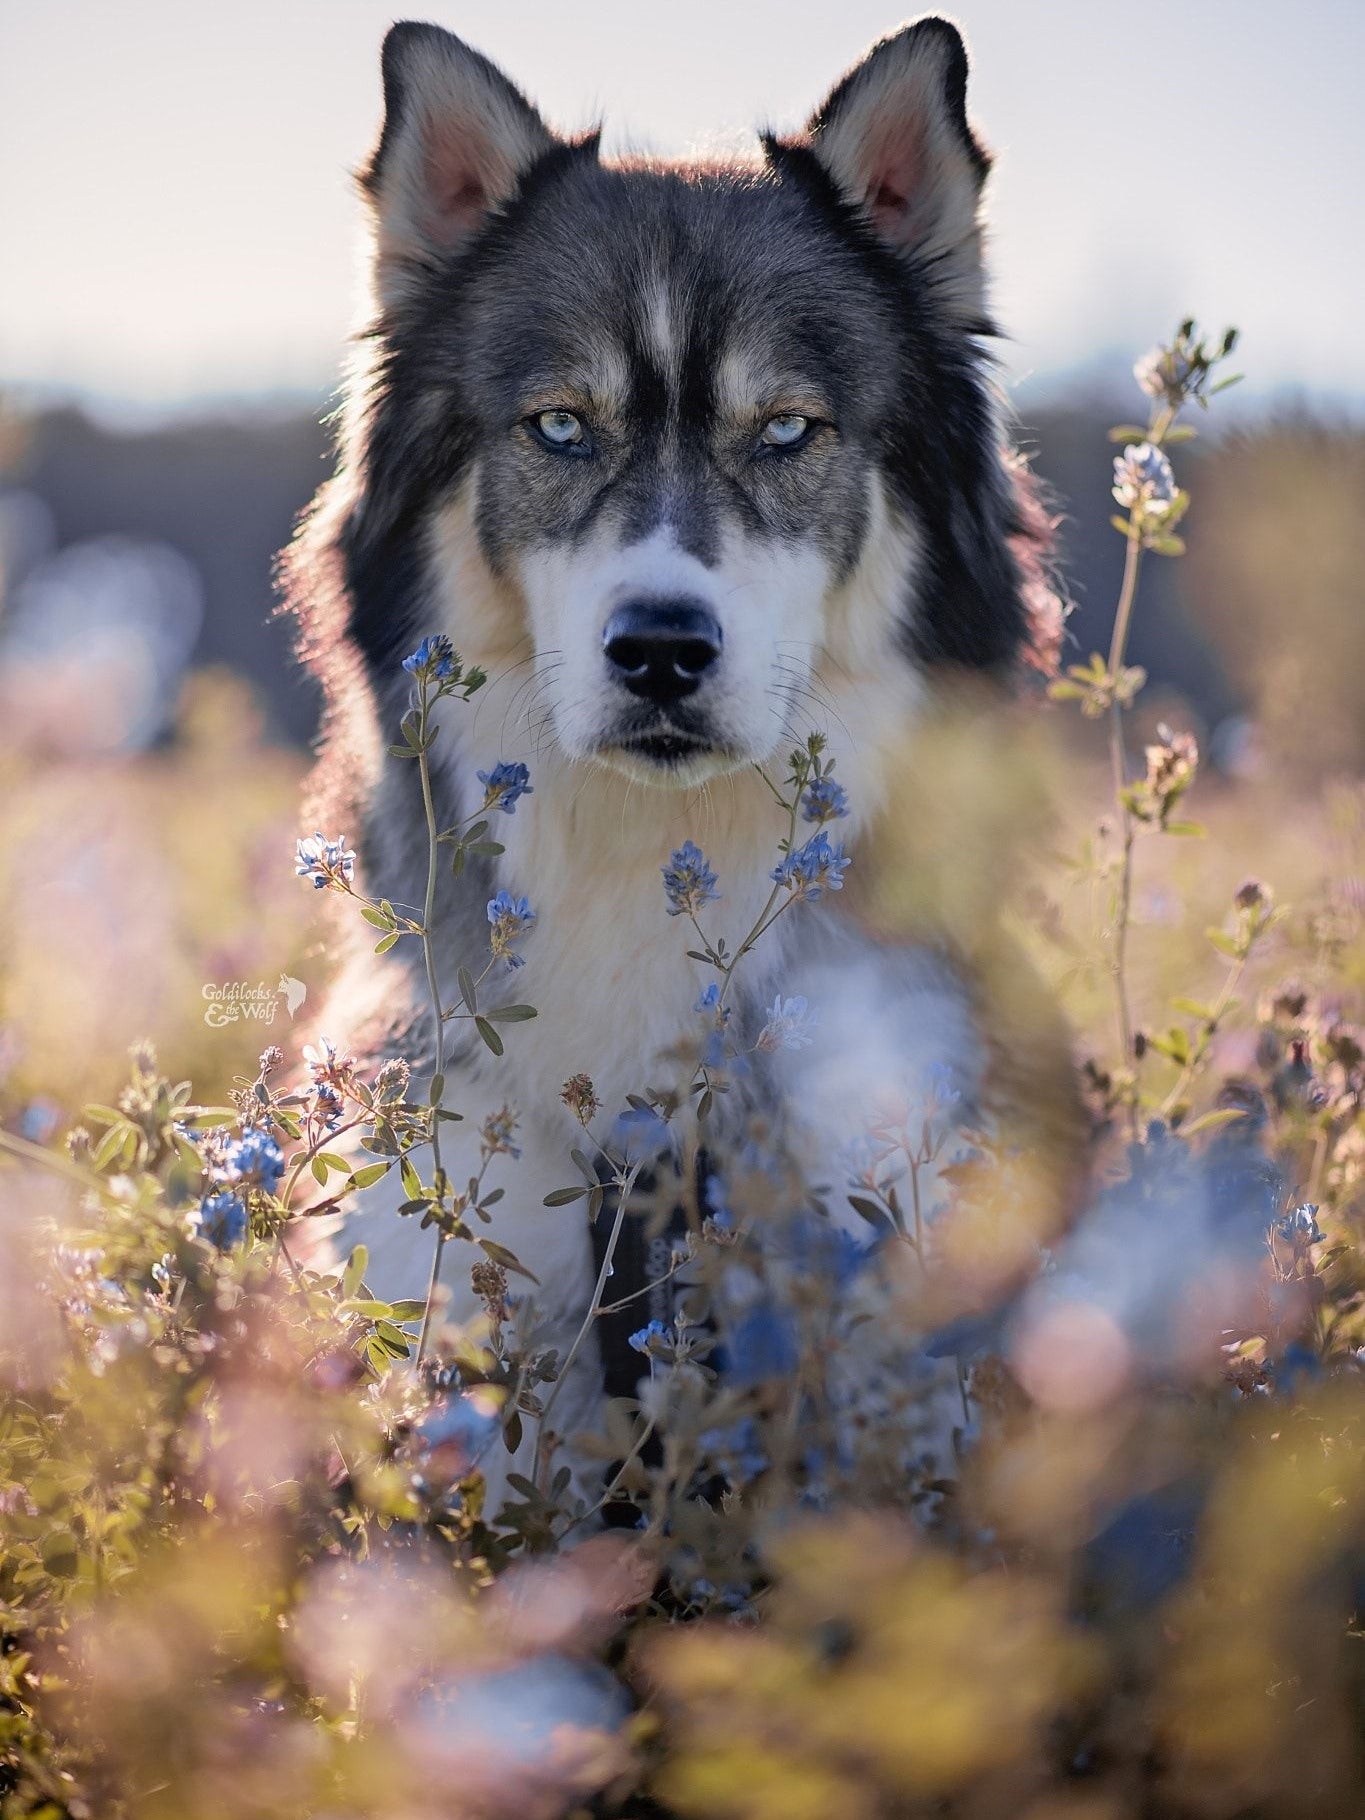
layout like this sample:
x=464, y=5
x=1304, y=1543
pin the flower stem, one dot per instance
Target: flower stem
x=1119, y=766
x=434, y=991
x=624, y=1185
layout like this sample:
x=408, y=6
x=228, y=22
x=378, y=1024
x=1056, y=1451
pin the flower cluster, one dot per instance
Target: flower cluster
x=497, y=1131
x=790, y=1025
x=689, y=882
x=509, y=918
x=813, y=869
x=1172, y=761
x=504, y=786
x=580, y=1096
x=326, y=862
x=1300, y=1225
x=1182, y=372
x=1144, y=481
x=823, y=800
x=433, y=661
x=234, y=1166
x=654, y=1340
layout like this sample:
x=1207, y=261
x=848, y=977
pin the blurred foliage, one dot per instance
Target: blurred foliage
x=1275, y=577
x=126, y=887
x=249, y=1566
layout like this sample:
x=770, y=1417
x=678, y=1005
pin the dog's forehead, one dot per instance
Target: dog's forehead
x=627, y=280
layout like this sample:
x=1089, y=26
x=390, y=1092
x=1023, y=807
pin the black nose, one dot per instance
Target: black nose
x=661, y=649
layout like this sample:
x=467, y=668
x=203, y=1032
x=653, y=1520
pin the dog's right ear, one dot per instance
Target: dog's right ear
x=456, y=140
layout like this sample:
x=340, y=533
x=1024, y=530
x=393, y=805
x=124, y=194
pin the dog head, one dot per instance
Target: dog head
x=684, y=435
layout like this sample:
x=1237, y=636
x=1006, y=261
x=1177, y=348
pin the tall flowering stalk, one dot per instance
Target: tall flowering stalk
x=438, y=672
x=1144, y=483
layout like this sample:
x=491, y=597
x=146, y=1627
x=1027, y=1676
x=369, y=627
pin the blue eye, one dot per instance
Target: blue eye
x=561, y=429
x=785, y=430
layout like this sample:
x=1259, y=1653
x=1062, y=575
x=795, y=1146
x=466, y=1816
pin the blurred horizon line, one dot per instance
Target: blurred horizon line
x=1100, y=380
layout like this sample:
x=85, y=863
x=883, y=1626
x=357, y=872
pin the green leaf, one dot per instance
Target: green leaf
x=1124, y=526
x=60, y=1555
x=412, y=1182
x=508, y=1259
x=1225, y=943
x=870, y=1211
x=387, y=943
x=1187, y=830
x=464, y=979
x=366, y=1178
x=112, y=1142
x=1212, y=1121
x=489, y=1034
x=436, y=1090
x=561, y=1197
x=354, y=1274
x=512, y=1014
x=1191, y=1007
x=376, y=917
x=1128, y=432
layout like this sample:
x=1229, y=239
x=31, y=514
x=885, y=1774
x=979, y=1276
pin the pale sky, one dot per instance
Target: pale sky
x=176, y=216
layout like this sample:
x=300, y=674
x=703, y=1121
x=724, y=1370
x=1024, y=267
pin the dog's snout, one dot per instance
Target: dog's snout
x=661, y=649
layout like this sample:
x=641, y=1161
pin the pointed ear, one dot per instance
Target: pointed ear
x=894, y=137
x=457, y=138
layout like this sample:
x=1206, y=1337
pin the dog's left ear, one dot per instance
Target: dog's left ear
x=895, y=138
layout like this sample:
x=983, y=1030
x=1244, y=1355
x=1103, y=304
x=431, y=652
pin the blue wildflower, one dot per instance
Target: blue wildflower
x=822, y=1251
x=813, y=869
x=433, y=660
x=717, y=1199
x=737, y=1450
x=504, y=786
x=789, y=1025
x=762, y=1344
x=497, y=1131
x=1297, y=1368
x=688, y=881
x=326, y=862
x=456, y=1421
x=254, y=1159
x=509, y=918
x=1300, y=1225
x=823, y=800
x=327, y=1105
x=1143, y=479
x=222, y=1219
x=641, y=1135
x=651, y=1339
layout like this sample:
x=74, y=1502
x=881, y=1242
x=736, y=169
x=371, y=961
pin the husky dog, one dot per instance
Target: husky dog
x=689, y=458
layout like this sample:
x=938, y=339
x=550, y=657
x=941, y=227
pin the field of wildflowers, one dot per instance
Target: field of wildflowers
x=248, y=1566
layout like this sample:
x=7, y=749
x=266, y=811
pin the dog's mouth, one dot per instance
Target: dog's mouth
x=667, y=752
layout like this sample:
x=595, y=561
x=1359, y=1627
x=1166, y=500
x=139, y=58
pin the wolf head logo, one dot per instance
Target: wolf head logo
x=294, y=992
